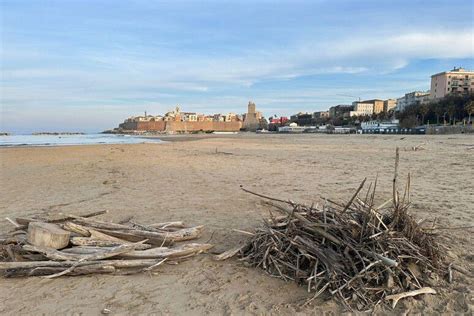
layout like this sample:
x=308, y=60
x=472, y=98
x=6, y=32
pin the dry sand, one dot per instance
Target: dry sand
x=198, y=182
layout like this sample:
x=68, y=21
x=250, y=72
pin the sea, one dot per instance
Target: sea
x=68, y=140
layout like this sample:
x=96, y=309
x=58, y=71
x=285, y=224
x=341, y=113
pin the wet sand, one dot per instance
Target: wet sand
x=198, y=182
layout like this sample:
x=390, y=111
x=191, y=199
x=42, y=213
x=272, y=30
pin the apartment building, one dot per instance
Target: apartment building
x=377, y=105
x=412, y=98
x=389, y=105
x=457, y=81
x=362, y=108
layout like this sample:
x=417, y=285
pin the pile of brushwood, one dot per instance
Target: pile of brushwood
x=58, y=244
x=360, y=252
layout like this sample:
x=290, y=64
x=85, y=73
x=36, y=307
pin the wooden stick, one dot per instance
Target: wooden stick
x=397, y=297
x=354, y=196
x=228, y=254
x=164, y=252
x=13, y=222
x=61, y=264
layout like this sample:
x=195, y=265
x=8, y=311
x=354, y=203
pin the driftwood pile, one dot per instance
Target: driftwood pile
x=60, y=244
x=362, y=253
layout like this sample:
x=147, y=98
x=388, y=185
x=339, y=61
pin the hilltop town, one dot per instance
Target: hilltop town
x=446, y=108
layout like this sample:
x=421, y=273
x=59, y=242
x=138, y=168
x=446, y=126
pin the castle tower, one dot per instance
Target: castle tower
x=251, y=108
x=251, y=122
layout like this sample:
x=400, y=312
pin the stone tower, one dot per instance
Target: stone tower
x=251, y=122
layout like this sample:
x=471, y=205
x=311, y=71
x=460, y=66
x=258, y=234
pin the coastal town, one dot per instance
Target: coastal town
x=446, y=108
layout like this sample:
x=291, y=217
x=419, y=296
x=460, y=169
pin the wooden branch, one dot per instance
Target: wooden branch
x=228, y=254
x=164, y=252
x=130, y=236
x=86, y=241
x=100, y=268
x=75, y=228
x=354, y=196
x=99, y=224
x=59, y=218
x=397, y=297
x=119, y=264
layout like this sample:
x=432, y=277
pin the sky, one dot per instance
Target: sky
x=87, y=65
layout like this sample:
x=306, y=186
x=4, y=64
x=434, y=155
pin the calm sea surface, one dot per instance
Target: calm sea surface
x=65, y=140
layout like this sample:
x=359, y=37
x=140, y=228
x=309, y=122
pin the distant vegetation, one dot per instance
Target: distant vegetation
x=449, y=110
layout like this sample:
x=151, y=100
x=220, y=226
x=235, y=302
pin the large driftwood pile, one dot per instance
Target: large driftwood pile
x=362, y=253
x=57, y=245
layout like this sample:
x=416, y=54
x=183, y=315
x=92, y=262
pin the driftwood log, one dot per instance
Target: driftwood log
x=47, y=235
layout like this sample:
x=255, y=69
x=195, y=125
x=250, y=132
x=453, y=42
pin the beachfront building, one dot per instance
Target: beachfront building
x=415, y=97
x=389, y=105
x=457, y=81
x=362, y=108
x=379, y=125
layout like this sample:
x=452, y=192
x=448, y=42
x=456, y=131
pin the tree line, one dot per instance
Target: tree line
x=449, y=110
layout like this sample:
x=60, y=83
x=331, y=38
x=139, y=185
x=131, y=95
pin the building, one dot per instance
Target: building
x=292, y=128
x=409, y=99
x=252, y=118
x=379, y=125
x=389, y=105
x=377, y=105
x=321, y=115
x=458, y=81
x=339, y=110
x=362, y=108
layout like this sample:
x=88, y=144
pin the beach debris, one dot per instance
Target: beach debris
x=396, y=297
x=47, y=235
x=357, y=251
x=54, y=245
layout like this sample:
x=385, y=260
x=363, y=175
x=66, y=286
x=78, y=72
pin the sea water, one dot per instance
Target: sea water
x=65, y=140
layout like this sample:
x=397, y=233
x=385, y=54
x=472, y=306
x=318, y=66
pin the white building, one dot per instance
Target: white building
x=379, y=125
x=420, y=97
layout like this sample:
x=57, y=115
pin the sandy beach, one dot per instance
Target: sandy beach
x=198, y=182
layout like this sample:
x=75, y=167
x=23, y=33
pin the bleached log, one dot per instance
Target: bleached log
x=228, y=254
x=54, y=218
x=119, y=264
x=397, y=297
x=164, y=252
x=179, y=235
x=48, y=271
x=131, y=236
x=61, y=255
x=47, y=235
x=75, y=228
x=86, y=241
x=99, y=224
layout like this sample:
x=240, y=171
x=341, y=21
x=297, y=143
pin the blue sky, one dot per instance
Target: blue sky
x=86, y=65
